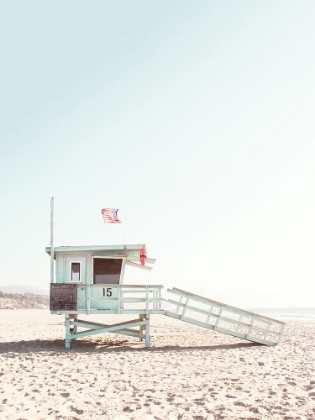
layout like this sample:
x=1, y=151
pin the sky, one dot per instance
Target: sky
x=194, y=118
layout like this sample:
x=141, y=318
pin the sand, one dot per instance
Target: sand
x=190, y=373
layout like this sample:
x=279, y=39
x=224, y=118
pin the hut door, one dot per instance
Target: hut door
x=107, y=270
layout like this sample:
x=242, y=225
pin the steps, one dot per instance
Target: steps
x=224, y=318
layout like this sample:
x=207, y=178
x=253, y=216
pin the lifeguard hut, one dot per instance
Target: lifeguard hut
x=90, y=280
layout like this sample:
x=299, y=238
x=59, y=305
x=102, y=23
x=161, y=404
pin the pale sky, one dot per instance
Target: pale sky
x=194, y=118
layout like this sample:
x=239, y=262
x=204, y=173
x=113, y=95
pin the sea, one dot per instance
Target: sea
x=302, y=314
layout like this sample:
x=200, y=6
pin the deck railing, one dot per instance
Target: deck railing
x=113, y=298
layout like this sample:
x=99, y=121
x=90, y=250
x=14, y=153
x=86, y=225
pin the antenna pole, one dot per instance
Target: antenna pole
x=52, y=253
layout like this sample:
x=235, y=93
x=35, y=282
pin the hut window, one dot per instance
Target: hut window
x=75, y=274
x=107, y=270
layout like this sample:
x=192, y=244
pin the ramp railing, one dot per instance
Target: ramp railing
x=224, y=318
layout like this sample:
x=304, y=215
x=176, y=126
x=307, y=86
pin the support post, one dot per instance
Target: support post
x=147, y=332
x=146, y=299
x=67, y=331
x=178, y=306
x=218, y=318
x=73, y=328
x=142, y=327
x=145, y=328
x=185, y=305
x=88, y=299
x=52, y=252
x=141, y=330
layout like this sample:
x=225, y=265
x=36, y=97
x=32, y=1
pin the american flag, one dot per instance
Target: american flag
x=110, y=215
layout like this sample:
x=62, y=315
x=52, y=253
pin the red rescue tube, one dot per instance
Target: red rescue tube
x=143, y=256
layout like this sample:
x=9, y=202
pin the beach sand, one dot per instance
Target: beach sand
x=190, y=372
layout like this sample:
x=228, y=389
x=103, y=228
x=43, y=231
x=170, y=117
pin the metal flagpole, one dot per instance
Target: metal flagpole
x=123, y=229
x=52, y=253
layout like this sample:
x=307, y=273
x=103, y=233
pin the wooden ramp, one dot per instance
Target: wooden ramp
x=223, y=318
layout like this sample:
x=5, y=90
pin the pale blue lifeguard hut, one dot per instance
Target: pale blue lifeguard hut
x=90, y=280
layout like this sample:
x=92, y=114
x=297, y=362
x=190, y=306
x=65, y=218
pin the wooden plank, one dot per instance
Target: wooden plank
x=139, y=311
x=137, y=259
x=143, y=267
x=193, y=308
x=112, y=328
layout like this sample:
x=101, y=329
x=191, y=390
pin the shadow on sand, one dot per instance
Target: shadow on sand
x=84, y=346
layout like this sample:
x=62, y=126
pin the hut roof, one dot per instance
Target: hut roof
x=93, y=248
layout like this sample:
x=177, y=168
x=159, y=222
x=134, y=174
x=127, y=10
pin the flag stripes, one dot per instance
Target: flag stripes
x=110, y=215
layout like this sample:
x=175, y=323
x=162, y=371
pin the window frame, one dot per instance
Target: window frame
x=116, y=257
x=80, y=272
